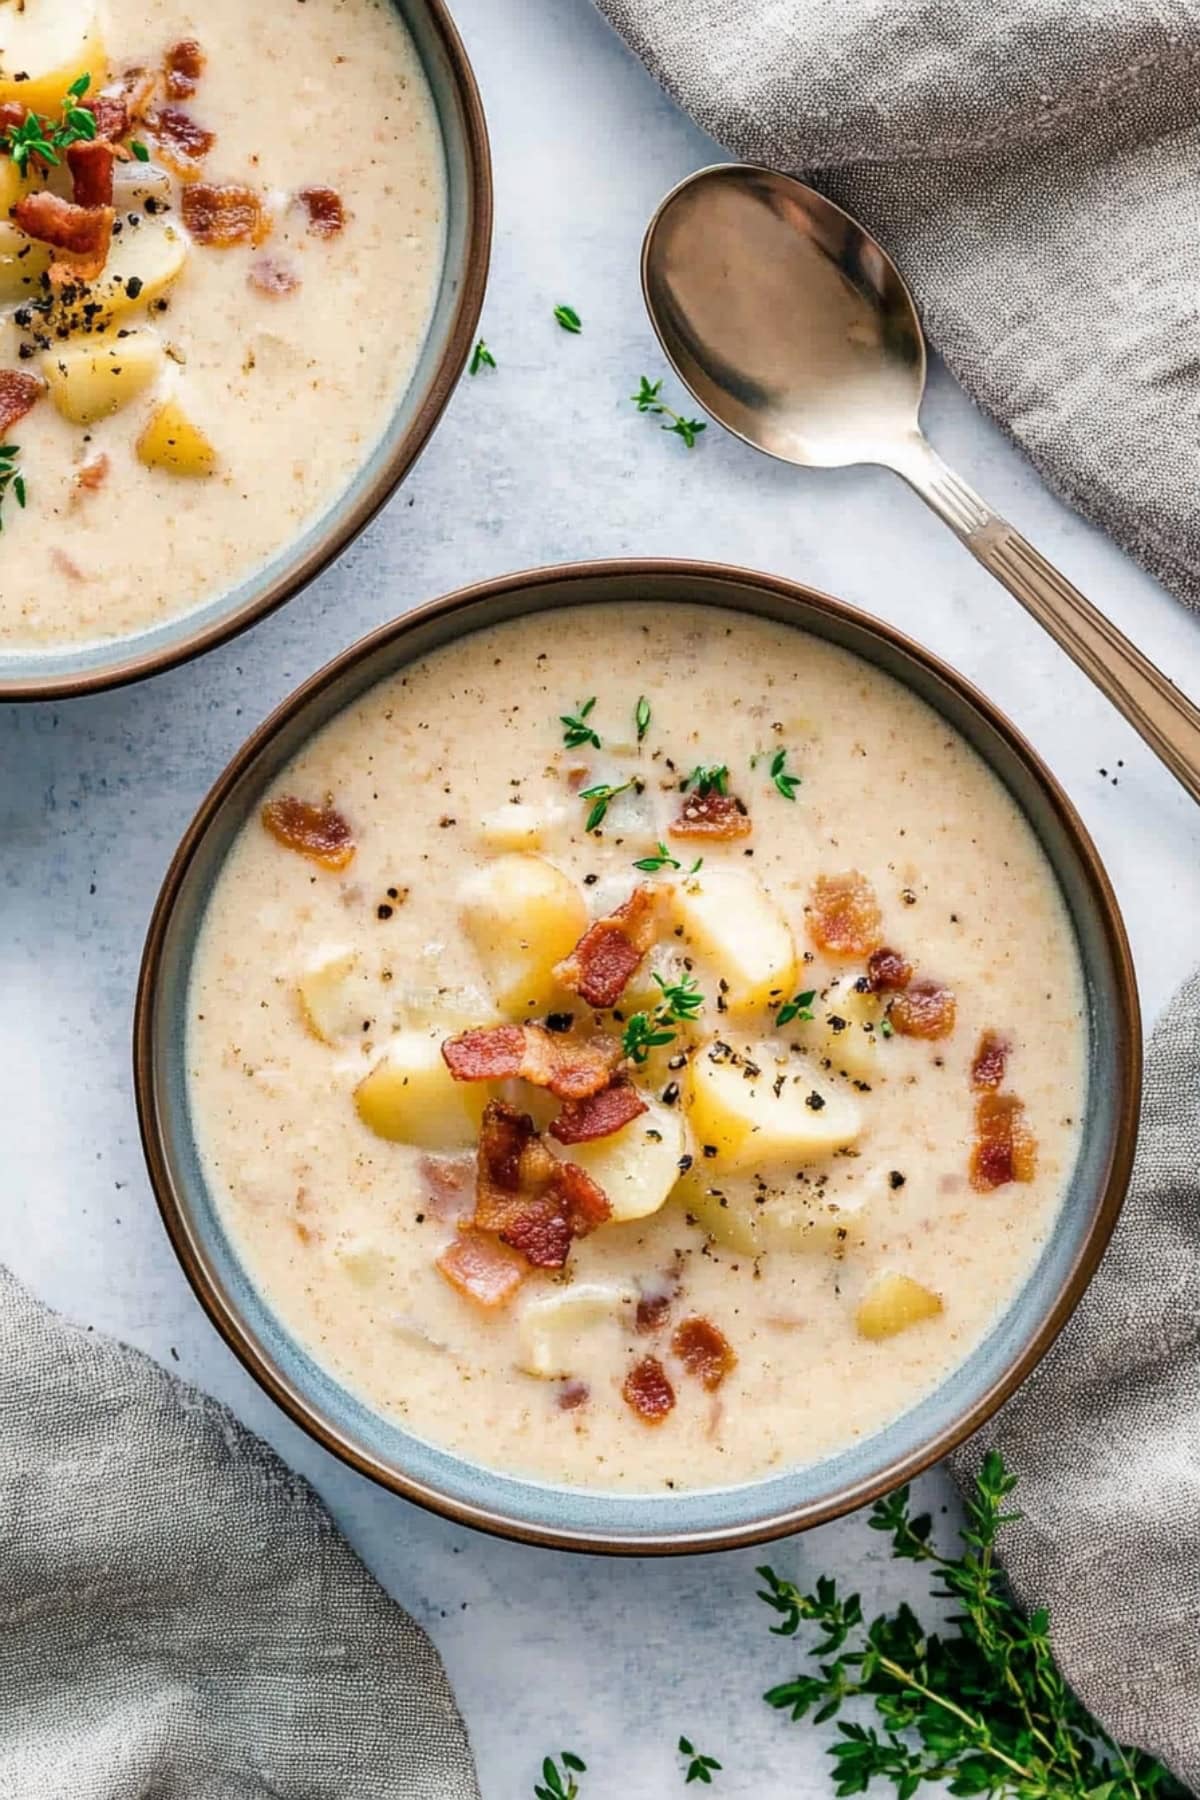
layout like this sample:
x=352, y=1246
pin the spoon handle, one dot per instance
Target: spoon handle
x=1166, y=719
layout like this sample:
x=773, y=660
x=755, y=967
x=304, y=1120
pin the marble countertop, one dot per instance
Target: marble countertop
x=542, y=460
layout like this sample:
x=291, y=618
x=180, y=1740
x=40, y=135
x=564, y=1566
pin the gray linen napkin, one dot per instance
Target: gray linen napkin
x=1031, y=164
x=179, y=1619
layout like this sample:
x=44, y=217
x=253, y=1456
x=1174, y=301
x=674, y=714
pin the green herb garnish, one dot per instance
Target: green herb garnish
x=681, y=1001
x=41, y=138
x=578, y=732
x=787, y=784
x=700, y=1768
x=481, y=358
x=556, y=1786
x=886, y=1028
x=10, y=478
x=648, y=399
x=650, y=865
x=568, y=318
x=799, y=1007
x=139, y=150
x=981, y=1711
x=600, y=797
x=713, y=779
x=641, y=717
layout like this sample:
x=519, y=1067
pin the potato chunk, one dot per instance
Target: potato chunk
x=740, y=1216
x=519, y=827
x=141, y=265
x=45, y=45
x=95, y=377
x=749, y=1109
x=523, y=916
x=170, y=441
x=892, y=1303
x=639, y=1165
x=410, y=1097
x=23, y=261
x=559, y=1330
x=331, y=995
x=729, y=919
x=845, y=1029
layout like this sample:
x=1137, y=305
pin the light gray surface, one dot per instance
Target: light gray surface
x=542, y=459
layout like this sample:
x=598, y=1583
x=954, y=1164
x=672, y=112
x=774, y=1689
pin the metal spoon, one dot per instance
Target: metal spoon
x=793, y=328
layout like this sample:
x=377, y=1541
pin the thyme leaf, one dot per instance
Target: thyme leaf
x=648, y=399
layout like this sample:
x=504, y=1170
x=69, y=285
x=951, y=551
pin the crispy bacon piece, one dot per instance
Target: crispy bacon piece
x=319, y=832
x=991, y=1061
x=125, y=101
x=1005, y=1149
x=532, y=1201
x=926, y=1009
x=844, y=915
x=92, y=474
x=447, y=1184
x=223, y=215
x=183, y=65
x=711, y=815
x=704, y=1351
x=482, y=1269
x=572, y=1395
x=888, y=972
x=82, y=235
x=547, y=1059
x=111, y=113
x=182, y=143
x=91, y=166
x=12, y=115
x=653, y=1311
x=648, y=1391
x=326, y=214
x=610, y=950
x=273, y=277
x=19, y=392
x=582, y=1121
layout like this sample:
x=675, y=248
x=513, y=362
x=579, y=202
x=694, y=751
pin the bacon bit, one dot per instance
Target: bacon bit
x=18, y=394
x=610, y=950
x=221, y=216
x=92, y=474
x=447, y=1185
x=91, y=166
x=111, y=113
x=547, y=1059
x=183, y=65
x=82, y=234
x=648, y=1391
x=66, y=565
x=711, y=815
x=653, y=1311
x=319, y=832
x=572, y=1395
x=991, y=1061
x=582, y=1121
x=12, y=115
x=526, y=1196
x=481, y=1269
x=183, y=143
x=585, y=1200
x=326, y=214
x=1005, y=1149
x=704, y=1351
x=888, y=972
x=924, y=1010
x=125, y=101
x=273, y=277
x=844, y=918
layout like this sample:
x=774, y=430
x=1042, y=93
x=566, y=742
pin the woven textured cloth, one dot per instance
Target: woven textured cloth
x=179, y=1619
x=1031, y=165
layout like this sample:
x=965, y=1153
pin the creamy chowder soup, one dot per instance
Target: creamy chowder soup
x=640, y=1047
x=210, y=306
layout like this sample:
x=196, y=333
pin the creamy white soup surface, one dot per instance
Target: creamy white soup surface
x=193, y=389
x=756, y=1162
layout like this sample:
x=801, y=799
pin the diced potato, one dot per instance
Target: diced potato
x=892, y=1303
x=844, y=1030
x=523, y=916
x=553, y=1330
x=142, y=265
x=518, y=827
x=449, y=1009
x=22, y=263
x=639, y=1165
x=363, y=1261
x=49, y=44
x=171, y=441
x=410, y=1096
x=331, y=995
x=737, y=1214
x=92, y=378
x=754, y=1109
x=731, y=921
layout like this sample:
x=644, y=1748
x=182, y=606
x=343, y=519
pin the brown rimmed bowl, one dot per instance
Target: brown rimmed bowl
x=619, y=1522
x=59, y=673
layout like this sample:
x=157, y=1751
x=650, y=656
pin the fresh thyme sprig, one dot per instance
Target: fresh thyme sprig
x=600, y=797
x=983, y=1710
x=712, y=778
x=650, y=865
x=41, y=138
x=11, y=478
x=886, y=1028
x=681, y=1001
x=481, y=358
x=578, y=732
x=787, y=784
x=641, y=717
x=648, y=399
x=798, y=1007
x=569, y=319
x=700, y=1767
x=556, y=1786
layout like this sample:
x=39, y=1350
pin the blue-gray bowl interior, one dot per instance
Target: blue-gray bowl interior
x=74, y=661
x=528, y=1505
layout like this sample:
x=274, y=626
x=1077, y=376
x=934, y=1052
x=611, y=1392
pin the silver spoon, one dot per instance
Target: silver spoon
x=793, y=328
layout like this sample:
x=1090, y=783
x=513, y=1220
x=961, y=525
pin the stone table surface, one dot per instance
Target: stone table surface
x=542, y=460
